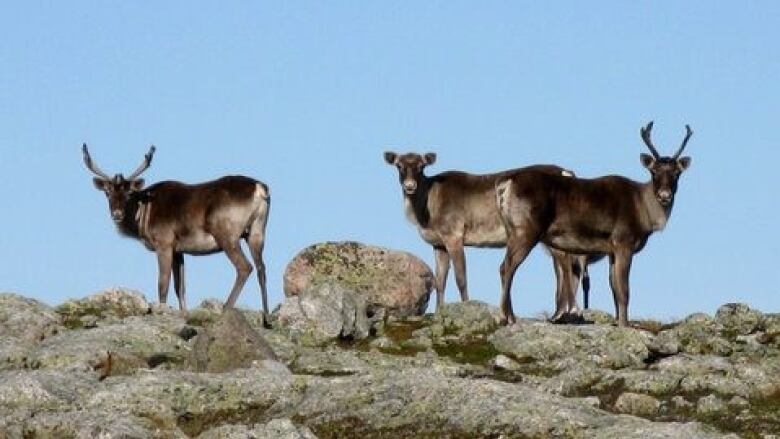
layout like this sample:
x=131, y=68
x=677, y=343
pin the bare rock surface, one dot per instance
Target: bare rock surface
x=398, y=282
x=230, y=343
x=325, y=312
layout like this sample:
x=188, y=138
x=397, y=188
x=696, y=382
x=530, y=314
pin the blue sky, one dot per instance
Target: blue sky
x=307, y=95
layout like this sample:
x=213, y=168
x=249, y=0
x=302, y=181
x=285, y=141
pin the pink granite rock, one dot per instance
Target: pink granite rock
x=396, y=281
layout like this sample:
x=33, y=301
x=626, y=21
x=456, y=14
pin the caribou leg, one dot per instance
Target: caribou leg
x=243, y=269
x=256, y=242
x=454, y=247
x=178, y=280
x=619, y=268
x=518, y=246
x=442, y=270
x=562, y=264
x=164, y=266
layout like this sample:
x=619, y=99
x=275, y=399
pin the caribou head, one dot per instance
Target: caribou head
x=665, y=171
x=410, y=168
x=118, y=189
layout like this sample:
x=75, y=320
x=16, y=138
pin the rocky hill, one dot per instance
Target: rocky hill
x=112, y=365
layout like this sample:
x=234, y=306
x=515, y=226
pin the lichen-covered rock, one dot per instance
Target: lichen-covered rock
x=738, y=319
x=467, y=318
x=82, y=349
x=557, y=347
x=90, y=424
x=710, y=405
x=396, y=281
x=400, y=404
x=113, y=304
x=698, y=334
x=637, y=404
x=275, y=429
x=196, y=402
x=230, y=343
x=323, y=313
x=27, y=320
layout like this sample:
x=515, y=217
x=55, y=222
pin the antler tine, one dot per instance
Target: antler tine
x=91, y=165
x=688, y=134
x=645, y=133
x=144, y=165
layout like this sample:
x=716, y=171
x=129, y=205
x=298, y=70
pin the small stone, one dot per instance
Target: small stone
x=502, y=362
x=637, y=404
x=710, y=405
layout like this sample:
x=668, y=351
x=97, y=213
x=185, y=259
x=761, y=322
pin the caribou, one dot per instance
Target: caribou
x=455, y=209
x=610, y=215
x=172, y=219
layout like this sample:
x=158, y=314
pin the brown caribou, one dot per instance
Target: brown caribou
x=455, y=209
x=172, y=219
x=610, y=215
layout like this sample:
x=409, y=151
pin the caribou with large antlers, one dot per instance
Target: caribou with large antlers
x=456, y=209
x=611, y=215
x=172, y=219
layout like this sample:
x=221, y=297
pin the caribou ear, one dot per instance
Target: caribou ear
x=100, y=183
x=137, y=184
x=647, y=160
x=683, y=163
x=429, y=158
x=390, y=157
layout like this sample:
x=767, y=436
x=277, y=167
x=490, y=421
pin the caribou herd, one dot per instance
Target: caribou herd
x=578, y=220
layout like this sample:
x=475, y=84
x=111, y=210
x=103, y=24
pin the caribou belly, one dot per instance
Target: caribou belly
x=197, y=243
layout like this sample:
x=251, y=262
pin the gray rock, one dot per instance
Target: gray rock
x=27, y=320
x=738, y=319
x=90, y=424
x=698, y=334
x=397, y=403
x=557, y=347
x=231, y=343
x=655, y=383
x=275, y=429
x=195, y=403
x=82, y=349
x=113, y=304
x=637, y=404
x=398, y=282
x=324, y=313
x=467, y=318
x=710, y=406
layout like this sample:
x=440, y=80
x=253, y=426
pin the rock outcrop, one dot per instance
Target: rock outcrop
x=456, y=374
x=395, y=281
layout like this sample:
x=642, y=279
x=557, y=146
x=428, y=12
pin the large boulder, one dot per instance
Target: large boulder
x=231, y=343
x=397, y=281
x=323, y=313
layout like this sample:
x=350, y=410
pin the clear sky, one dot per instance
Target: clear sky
x=306, y=96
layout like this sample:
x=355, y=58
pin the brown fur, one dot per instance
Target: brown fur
x=456, y=209
x=608, y=215
x=173, y=218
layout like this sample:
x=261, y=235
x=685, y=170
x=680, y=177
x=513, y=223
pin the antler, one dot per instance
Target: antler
x=91, y=165
x=688, y=135
x=645, y=133
x=144, y=165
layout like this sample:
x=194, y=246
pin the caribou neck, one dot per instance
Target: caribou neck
x=416, y=204
x=130, y=224
x=656, y=215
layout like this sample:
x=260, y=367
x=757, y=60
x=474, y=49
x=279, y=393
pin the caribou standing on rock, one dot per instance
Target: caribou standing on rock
x=456, y=209
x=608, y=215
x=172, y=219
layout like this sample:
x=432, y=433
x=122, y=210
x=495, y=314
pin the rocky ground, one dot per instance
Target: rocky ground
x=112, y=365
